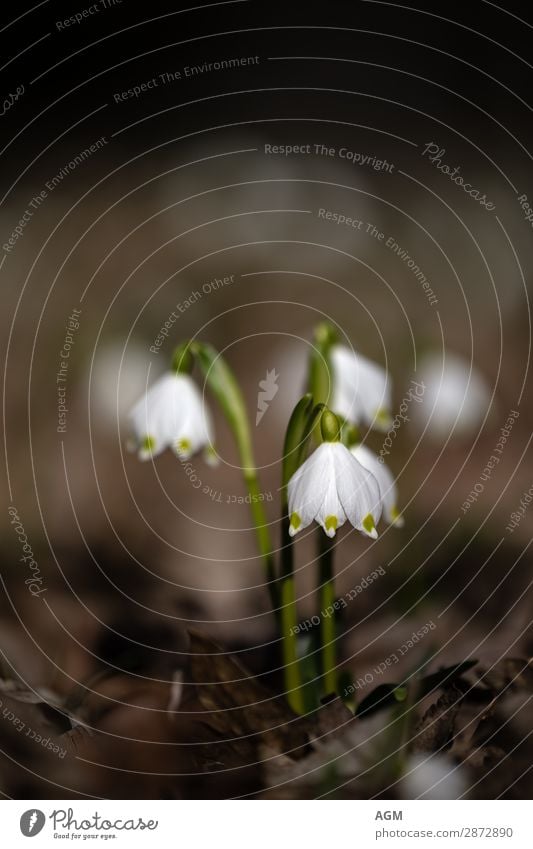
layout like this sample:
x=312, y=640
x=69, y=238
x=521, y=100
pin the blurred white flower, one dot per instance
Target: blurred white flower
x=118, y=378
x=361, y=389
x=330, y=487
x=172, y=414
x=456, y=397
x=432, y=777
x=386, y=482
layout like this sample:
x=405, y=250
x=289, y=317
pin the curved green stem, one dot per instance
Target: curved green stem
x=261, y=527
x=225, y=388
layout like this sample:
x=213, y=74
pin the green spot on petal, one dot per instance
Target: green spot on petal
x=396, y=517
x=331, y=523
x=368, y=524
x=183, y=446
x=383, y=417
x=147, y=444
x=295, y=521
x=211, y=456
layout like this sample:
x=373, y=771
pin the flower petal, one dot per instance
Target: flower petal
x=358, y=492
x=330, y=513
x=385, y=479
x=361, y=389
x=305, y=489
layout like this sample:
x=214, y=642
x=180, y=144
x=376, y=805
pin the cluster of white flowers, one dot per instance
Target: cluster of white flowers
x=335, y=483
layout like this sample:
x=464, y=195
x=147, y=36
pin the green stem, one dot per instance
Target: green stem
x=297, y=436
x=288, y=624
x=319, y=365
x=225, y=388
x=320, y=387
x=327, y=621
x=261, y=525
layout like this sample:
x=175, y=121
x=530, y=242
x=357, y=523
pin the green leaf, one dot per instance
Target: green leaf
x=302, y=422
x=294, y=435
x=386, y=695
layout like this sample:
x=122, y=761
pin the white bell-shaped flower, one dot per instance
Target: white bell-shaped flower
x=332, y=487
x=172, y=414
x=361, y=389
x=386, y=482
x=433, y=776
x=456, y=396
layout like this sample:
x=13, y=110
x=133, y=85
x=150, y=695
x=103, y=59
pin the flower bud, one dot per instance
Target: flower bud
x=330, y=427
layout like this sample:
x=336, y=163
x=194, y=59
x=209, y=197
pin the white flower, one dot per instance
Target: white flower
x=330, y=487
x=117, y=379
x=386, y=482
x=361, y=389
x=432, y=777
x=173, y=415
x=456, y=397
